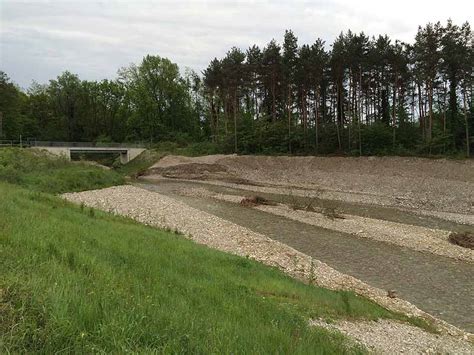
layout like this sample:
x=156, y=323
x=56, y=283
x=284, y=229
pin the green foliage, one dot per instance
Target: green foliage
x=13, y=119
x=77, y=281
x=41, y=171
x=162, y=102
x=199, y=148
x=376, y=138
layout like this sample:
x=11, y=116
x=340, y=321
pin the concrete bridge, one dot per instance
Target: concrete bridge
x=126, y=152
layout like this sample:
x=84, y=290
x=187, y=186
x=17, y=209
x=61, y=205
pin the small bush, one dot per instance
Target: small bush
x=255, y=201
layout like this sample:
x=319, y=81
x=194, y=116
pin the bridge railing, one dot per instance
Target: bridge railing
x=13, y=143
x=86, y=144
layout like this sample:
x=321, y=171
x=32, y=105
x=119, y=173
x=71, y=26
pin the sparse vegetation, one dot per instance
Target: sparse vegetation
x=255, y=201
x=314, y=204
x=331, y=213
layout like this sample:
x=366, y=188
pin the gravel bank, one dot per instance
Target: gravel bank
x=418, y=238
x=392, y=337
x=429, y=184
x=162, y=211
x=460, y=218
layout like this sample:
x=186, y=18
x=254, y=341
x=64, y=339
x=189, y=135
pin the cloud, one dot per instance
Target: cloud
x=40, y=39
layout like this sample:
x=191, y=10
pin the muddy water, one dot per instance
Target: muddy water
x=438, y=285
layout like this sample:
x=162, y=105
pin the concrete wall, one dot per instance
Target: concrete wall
x=131, y=154
x=134, y=152
x=63, y=151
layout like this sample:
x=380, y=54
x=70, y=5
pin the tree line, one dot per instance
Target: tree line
x=361, y=95
x=148, y=102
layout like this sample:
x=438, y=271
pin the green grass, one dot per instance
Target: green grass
x=41, y=171
x=80, y=282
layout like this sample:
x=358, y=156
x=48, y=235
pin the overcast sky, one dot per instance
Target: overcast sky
x=41, y=39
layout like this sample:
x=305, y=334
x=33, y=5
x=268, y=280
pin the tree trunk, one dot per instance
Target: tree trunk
x=394, y=110
x=273, y=98
x=466, y=123
x=338, y=110
x=359, y=118
x=420, y=105
x=289, y=119
x=305, y=116
x=349, y=104
x=316, y=119
x=235, y=121
x=430, y=108
x=444, y=115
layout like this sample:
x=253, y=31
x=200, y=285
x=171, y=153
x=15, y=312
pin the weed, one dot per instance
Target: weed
x=255, y=201
x=312, y=273
x=332, y=213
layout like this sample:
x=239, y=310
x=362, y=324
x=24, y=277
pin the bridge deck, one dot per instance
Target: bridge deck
x=97, y=150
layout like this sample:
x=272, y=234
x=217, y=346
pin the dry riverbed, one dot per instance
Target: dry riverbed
x=414, y=237
x=165, y=212
x=431, y=185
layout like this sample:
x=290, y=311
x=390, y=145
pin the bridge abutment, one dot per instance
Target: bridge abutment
x=126, y=154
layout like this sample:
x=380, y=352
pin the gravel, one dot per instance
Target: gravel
x=392, y=337
x=165, y=212
x=416, y=183
x=418, y=238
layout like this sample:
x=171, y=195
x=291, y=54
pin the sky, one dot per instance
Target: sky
x=41, y=39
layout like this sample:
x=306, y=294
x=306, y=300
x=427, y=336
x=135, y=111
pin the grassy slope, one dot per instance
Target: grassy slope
x=42, y=172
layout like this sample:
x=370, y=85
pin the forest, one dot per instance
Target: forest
x=359, y=95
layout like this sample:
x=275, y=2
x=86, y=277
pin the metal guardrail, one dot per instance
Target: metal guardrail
x=13, y=143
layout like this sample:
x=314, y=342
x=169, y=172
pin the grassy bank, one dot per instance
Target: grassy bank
x=80, y=280
x=41, y=171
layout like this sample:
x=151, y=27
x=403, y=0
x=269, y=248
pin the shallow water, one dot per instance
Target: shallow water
x=438, y=285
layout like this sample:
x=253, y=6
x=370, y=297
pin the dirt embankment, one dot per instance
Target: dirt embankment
x=435, y=185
